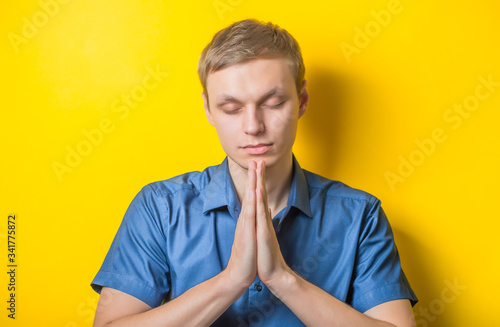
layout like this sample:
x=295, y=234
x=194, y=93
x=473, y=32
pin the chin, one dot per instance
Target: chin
x=269, y=160
x=244, y=162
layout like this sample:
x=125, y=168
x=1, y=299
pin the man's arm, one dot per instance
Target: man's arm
x=312, y=305
x=199, y=306
x=205, y=302
x=315, y=307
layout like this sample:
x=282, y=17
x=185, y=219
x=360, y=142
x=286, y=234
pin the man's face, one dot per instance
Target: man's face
x=255, y=108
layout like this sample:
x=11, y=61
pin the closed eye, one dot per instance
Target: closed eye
x=231, y=112
x=230, y=108
x=276, y=106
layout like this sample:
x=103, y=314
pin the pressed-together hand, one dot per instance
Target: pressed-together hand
x=242, y=265
x=255, y=247
x=270, y=262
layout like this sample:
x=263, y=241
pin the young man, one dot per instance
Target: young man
x=255, y=240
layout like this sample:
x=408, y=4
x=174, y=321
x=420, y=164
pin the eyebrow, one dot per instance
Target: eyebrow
x=229, y=98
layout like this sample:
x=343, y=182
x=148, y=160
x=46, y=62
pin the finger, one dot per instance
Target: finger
x=261, y=184
x=250, y=198
x=261, y=208
x=264, y=184
x=250, y=185
x=251, y=175
x=245, y=200
x=251, y=165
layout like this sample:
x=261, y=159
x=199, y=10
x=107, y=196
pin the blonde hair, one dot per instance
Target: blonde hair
x=250, y=39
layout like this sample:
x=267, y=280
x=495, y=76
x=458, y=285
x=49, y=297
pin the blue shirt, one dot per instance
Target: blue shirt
x=179, y=232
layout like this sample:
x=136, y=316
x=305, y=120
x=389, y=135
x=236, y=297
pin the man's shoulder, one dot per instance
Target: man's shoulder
x=321, y=186
x=192, y=181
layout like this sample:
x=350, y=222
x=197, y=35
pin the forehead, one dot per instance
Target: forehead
x=251, y=79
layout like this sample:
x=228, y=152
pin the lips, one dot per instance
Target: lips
x=257, y=148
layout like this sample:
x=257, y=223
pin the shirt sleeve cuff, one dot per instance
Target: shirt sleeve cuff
x=129, y=285
x=383, y=294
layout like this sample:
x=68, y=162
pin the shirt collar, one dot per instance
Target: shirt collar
x=299, y=192
x=220, y=191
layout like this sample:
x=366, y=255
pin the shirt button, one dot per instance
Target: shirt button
x=258, y=287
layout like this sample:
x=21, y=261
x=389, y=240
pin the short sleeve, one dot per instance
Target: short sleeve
x=378, y=274
x=136, y=262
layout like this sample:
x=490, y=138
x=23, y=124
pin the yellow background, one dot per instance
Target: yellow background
x=66, y=75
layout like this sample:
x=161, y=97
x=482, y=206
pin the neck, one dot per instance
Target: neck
x=278, y=181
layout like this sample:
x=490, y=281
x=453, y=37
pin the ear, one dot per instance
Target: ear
x=304, y=99
x=207, y=109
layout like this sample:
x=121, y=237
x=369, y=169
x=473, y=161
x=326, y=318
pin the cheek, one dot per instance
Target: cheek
x=280, y=123
x=227, y=131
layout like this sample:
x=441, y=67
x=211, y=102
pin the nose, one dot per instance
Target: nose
x=253, y=122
